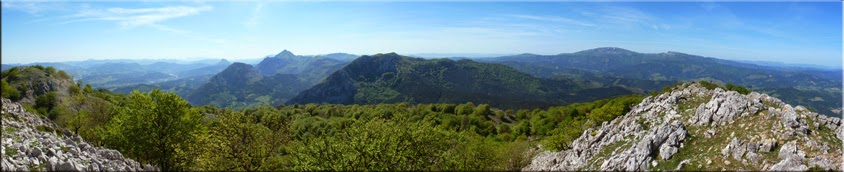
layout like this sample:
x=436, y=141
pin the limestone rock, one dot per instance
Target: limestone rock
x=62, y=152
x=655, y=130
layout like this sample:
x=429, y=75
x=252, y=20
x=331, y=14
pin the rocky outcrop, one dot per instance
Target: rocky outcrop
x=32, y=142
x=695, y=128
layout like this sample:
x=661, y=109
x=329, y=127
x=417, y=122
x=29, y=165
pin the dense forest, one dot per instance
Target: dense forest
x=163, y=129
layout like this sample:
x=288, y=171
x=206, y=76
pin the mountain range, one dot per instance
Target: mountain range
x=391, y=78
x=515, y=81
x=272, y=81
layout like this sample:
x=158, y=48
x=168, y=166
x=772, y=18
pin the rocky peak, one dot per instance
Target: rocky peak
x=223, y=62
x=32, y=142
x=695, y=128
x=285, y=54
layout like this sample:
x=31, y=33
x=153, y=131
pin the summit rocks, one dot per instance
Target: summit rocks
x=695, y=128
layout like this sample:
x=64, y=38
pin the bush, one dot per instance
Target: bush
x=45, y=103
x=736, y=88
x=393, y=145
x=708, y=85
x=50, y=70
x=10, y=92
x=74, y=89
x=62, y=74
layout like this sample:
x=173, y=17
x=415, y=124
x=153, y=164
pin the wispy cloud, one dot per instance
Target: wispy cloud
x=256, y=14
x=554, y=19
x=129, y=18
x=35, y=8
x=626, y=15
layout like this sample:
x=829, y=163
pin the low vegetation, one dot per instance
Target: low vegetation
x=161, y=128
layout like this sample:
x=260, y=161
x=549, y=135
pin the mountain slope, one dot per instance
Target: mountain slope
x=34, y=143
x=673, y=66
x=611, y=66
x=241, y=85
x=389, y=78
x=695, y=128
x=311, y=69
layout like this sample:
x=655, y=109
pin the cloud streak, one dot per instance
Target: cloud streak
x=253, y=19
x=554, y=19
x=130, y=18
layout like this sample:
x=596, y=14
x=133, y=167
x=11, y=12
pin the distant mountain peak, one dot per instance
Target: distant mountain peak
x=673, y=53
x=224, y=61
x=285, y=54
x=606, y=50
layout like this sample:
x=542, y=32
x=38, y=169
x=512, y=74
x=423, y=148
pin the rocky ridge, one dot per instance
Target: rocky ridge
x=695, y=128
x=34, y=143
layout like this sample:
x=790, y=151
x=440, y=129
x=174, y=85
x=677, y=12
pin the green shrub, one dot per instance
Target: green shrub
x=62, y=74
x=708, y=85
x=9, y=92
x=50, y=70
x=736, y=88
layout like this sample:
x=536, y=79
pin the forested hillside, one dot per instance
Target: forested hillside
x=163, y=129
x=392, y=78
x=610, y=66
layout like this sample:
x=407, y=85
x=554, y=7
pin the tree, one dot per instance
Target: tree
x=62, y=74
x=392, y=145
x=88, y=88
x=50, y=70
x=237, y=143
x=45, y=103
x=10, y=92
x=153, y=127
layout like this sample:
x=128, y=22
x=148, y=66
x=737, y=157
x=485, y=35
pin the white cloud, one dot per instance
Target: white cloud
x=129, y=18
x=256, y=13
x=556, y=19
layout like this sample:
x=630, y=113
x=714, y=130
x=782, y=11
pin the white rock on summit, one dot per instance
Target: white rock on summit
x=652, y=132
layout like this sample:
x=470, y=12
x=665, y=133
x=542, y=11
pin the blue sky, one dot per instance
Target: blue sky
x=808, y=33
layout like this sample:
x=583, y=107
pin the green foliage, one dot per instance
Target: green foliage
x=45, y=103
x=564, y=124
x=50, y=70
x=88, y=88
x=392, y=78
x=44, y=128
x=9, y=92
x=739, y=89
x=62, y=74
x=728, y=87
x=10, y=74
x=708, y=85
x=394, y=145
x=153, y=127
x=73, y=89
x=11, y=151
x=237, y=142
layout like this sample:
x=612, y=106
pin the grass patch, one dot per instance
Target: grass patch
x=44, y=128
x=641, y=121
x=10, y=151
x=605, y=153
x=11, y=130
x=30, y=109
x=769, y=104
x=697, y=148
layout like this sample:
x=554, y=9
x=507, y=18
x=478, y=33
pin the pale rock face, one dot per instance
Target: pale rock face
x=666, y=131
x=51, y=151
